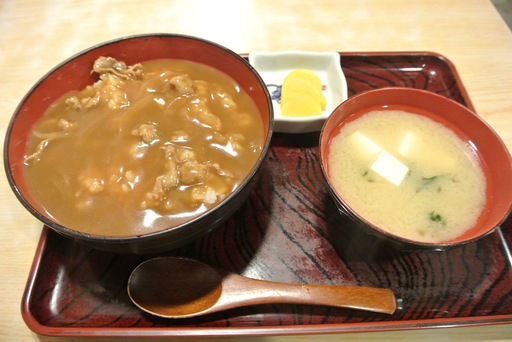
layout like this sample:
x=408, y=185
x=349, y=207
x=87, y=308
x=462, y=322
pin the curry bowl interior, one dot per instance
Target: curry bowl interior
x=75, y=74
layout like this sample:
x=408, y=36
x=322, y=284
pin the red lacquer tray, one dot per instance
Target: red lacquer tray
x=289, y=230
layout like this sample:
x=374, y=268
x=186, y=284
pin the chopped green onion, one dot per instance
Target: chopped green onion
x=427, y=181
x=436, y=217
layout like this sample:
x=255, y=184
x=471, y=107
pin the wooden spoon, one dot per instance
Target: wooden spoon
x=173, y=287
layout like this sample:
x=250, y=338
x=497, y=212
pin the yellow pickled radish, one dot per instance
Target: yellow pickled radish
x=298, y=87
x=301, y=106
x=305, y=75
x=301, y=94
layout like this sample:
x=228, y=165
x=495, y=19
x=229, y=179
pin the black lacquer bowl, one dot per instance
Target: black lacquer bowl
x=74, y=74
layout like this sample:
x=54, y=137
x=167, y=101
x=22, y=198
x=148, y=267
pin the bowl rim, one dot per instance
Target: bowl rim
x=400, y=240
x=138, y=237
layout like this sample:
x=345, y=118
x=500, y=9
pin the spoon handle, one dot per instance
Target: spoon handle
x=254, y=291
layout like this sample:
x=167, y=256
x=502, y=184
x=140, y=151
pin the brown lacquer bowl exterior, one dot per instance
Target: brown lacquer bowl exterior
x=74, y=74
x=493, y=154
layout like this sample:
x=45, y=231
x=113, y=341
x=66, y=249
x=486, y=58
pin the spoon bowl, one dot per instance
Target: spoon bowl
x=174, y=287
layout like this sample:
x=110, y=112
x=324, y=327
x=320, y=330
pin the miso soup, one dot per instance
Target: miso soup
x=408, y=174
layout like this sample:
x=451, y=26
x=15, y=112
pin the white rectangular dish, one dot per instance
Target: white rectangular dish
x=273, y=68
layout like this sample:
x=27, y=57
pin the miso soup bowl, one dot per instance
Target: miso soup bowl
x=75, y=74
x=492, y=153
